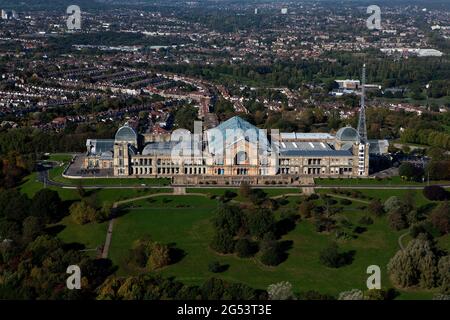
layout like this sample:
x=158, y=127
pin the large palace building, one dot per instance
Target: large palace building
x=230, y=153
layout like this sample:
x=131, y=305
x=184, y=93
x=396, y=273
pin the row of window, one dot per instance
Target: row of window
x=164, y=170
x=313, y=171
x=298, y=161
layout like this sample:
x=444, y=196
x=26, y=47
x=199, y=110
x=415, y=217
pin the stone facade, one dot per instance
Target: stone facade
x=261, y=160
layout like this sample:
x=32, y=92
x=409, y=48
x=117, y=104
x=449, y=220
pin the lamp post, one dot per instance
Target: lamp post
x=428, y=104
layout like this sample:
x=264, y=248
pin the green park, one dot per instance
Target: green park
x=185, y=223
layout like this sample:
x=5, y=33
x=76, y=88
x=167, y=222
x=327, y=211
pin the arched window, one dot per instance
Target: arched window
x=241, y=158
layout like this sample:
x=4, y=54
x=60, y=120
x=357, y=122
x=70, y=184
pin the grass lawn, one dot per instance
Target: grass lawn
x=185, y=222
x=221, y=191
x=91, y=235
x=62, y=157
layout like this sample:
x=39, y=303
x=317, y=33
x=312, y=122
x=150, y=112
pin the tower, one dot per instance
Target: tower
x=362, y=129
x=363, y=146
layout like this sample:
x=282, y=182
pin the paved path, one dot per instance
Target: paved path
x=348, y=198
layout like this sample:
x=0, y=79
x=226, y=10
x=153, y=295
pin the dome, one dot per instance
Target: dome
x=347, y=134
x=126, y=134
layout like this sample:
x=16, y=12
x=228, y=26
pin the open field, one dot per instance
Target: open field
x=185, y=223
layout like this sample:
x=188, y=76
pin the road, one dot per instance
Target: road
x=43, y=177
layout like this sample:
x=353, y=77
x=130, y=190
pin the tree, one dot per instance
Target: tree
x=14, y=205
x=305, y=209
x=185, y=117
x=280, y=291
x=222, y=242
x=46, y=205
x=376, y=207
x=415, y=265
x=228, y=219
x=243, y=248
x=444, y=274
x=398, y=219
x=82, y=213
x=245, y=190
x=159, y=256
x=353, y=294
x=410, y=171
x=260, y=221
x=32, y=228
x=331, y=257
x=104, y=213
x=440, y=218
x=271, y=254
x=215, y=267
x=376, y=294
x=435, y=193
x=392, y=203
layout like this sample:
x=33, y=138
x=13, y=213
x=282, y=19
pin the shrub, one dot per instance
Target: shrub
x=245, y=190
x=346, y=202
x=424, y=227
x=149, y=254
x=410, y=171
x=82, y=213
x=229, y=194
x=314, y=295
x=435, y=193
x=415, y=265
x=354, y=294
x=215, y=267
x=376, y=207
x=324, y=224
x=392, y=203
x=159, y=256
x=244, y=248
x=280, y=291
x=223, y=242
x=271, y=254
x=313, y=197
x=305, y=209
x=397, y=220
x=260, y=222
x=440, y=218
x=366, y=220
x=444, y=274
x=331, y=257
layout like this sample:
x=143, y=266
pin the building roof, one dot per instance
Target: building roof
x=314, y=146
x=166, y=149
x=126, y=134
x=305, y=136
x=232, y=131
x=99, y=146
x=316, y=153
x=313, y=135
x=347, y=134
x=378, y=147
x=311, y=149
